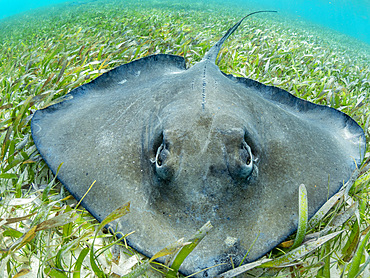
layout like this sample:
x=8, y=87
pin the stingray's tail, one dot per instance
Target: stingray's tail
x=213, y=52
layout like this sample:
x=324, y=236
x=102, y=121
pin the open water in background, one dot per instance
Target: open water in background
x=350, y=17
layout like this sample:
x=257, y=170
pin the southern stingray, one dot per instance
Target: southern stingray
x=185, y=146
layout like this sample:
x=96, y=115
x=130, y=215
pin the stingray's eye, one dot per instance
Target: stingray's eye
x=161, y=157
x=241, y=162
x=162, y=167
x=242, y=155
x=246, y=156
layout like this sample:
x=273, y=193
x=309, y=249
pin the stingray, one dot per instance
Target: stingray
x=191, y=145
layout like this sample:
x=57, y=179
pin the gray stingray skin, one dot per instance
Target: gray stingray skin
x=185, y=146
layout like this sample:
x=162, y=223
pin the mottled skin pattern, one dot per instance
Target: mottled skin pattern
x=185, y=146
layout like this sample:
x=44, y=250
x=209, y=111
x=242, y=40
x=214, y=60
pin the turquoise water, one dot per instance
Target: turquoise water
x=11, y=7
x=350, y=17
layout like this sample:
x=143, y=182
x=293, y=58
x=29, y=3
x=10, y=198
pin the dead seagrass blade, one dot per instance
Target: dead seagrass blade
x=185, y=146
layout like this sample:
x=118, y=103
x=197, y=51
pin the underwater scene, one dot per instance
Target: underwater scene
x=157, y=138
